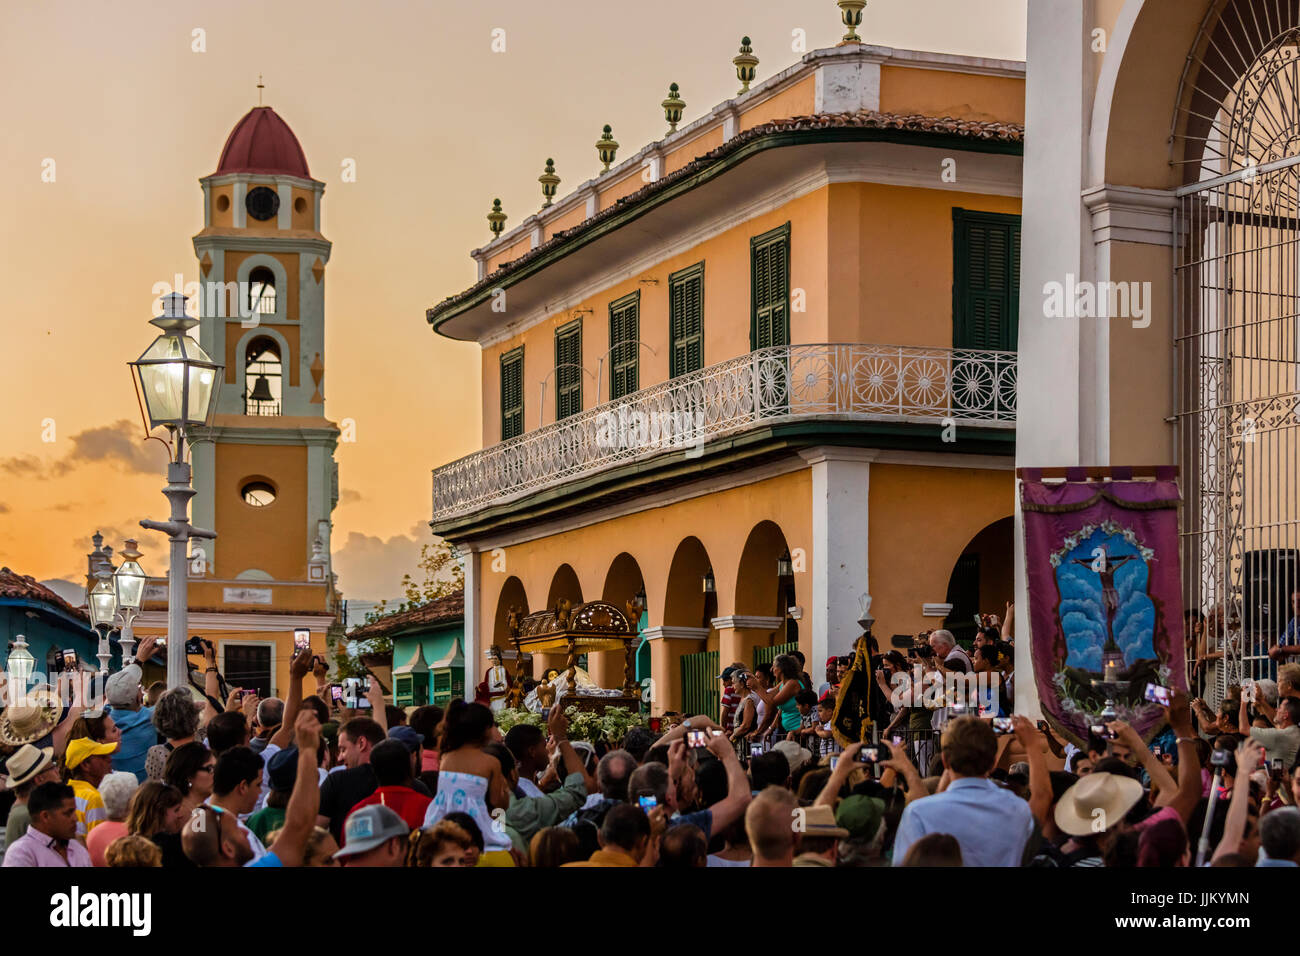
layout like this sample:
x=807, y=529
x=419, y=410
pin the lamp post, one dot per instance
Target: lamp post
x=128, y=587
x=102, y=601
x=180, y=384
x=19, y=664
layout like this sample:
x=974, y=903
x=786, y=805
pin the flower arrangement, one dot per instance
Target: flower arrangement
x=610, y=727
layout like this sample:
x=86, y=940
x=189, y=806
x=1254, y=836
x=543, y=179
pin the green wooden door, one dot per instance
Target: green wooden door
x=700, y=689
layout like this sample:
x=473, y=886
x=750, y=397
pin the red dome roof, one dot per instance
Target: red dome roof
x=262, y=142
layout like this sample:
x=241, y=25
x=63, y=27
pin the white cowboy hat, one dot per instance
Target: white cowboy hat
x=31, y=720
x=24, y=765
x=1096, y=803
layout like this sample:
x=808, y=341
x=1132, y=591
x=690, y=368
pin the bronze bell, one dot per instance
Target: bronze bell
x=261, y=390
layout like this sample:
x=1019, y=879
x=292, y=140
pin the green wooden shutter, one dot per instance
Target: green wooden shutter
x=770, y=288
x=512, y=394
x=568, y=370
x=686, y=320
x=986, y=280
x=625, y=345
x=700, y=690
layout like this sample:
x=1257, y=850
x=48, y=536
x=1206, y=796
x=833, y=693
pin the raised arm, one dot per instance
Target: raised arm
x=731, y=807
x=1040, y=780
x=304, y=803
x=1006, y=622
x=293, y=702
x=1234, y=828
x=1161, y=778
x=835, y=783
x=211, y=681
x=1188, y=794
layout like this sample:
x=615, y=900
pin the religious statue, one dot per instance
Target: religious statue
x=546, y=695
x=497, y=680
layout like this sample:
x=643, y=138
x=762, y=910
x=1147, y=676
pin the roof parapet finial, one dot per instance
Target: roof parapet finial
x=851, y=15
x=496, y=219
x=550, y=182
x=746, y=65
x=673, y=108
x=260, y=87
x=607, y=147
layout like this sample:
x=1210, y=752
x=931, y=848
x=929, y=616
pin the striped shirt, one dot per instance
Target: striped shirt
x=91, y=811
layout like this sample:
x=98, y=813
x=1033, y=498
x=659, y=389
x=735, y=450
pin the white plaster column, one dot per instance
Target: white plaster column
x=1055, y=424
x=840, y=482
x=471, y=643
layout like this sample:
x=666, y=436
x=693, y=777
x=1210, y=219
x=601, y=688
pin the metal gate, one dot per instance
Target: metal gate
x=1237, y=332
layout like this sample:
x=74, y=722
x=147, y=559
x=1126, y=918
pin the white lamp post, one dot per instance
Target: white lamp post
x=19, y=665
x=128, y=587
x=180, y=384
x=103, y=609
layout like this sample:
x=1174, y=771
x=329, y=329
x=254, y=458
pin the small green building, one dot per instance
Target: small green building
x=428, y=660
x=47, y=622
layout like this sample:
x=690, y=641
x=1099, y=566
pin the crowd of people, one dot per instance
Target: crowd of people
x=149, y=777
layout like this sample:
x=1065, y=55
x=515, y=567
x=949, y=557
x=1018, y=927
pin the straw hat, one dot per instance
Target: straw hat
x=24, y=765
x=31, y=720
x=819, y=821
x=1096, y=803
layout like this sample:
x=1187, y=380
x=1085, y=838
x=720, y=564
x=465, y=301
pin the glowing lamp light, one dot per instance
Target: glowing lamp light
x=178, y=380
x=129, y=579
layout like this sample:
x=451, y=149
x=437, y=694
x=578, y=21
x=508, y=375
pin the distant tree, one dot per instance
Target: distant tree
x=441, y=574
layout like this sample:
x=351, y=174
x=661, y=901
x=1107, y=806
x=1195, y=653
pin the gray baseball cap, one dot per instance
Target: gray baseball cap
x=370, y=827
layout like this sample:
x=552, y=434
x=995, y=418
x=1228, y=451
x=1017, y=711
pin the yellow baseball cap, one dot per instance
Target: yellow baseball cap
x=83, y=747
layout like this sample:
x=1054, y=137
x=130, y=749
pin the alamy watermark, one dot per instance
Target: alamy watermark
x=630, y=428
x=1074, y=299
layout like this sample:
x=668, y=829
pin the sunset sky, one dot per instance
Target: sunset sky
x=437, y=124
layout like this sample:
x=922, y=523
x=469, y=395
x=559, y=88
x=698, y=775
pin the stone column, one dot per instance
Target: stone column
x=739, y=634
x=840, y=483
x=667, y=645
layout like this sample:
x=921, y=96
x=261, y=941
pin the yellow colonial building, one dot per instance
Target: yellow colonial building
x=758, y=370
x=264, y=473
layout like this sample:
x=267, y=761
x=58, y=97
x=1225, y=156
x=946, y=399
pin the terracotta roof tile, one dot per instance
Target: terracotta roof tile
x=862, y=119
x=24, y=587
x=440, y=611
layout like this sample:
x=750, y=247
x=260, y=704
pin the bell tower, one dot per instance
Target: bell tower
x=266, y=480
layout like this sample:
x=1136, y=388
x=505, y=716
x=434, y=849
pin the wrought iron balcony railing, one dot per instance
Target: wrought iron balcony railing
x=765, y=387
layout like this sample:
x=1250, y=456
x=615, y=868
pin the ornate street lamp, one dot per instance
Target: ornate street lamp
x=180, y=384
x=102, y=601
x=708, y=584
x=19, y=665
x=128, y=586
x=784, y=569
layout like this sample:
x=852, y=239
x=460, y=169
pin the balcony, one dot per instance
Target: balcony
x=866, y=383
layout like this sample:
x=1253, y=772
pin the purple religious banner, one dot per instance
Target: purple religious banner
x=1105, y=597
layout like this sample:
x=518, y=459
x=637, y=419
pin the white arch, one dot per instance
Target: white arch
x=267, y=331
x=281, y=281
x=1107, y=80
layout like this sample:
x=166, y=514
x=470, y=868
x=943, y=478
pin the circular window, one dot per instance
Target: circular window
x=300, y=205
x=262, y=203
x=259, y=494
x=223, y=203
